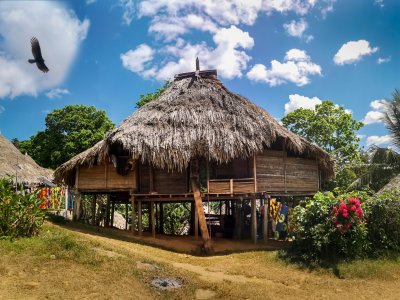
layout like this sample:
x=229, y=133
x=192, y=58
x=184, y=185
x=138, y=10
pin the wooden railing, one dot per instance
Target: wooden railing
x=231, y=186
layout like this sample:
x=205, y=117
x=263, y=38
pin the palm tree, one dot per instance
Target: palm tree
x=392, y=117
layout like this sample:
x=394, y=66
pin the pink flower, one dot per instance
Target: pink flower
x=353, y=208
x=345, y=214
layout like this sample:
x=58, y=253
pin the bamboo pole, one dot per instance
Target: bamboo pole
x=153, y=223
x=253, y=220
x=140, y=225
x=133, y=213
x=94, y=200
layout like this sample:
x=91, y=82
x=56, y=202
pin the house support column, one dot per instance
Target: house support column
x=196, y=225
x=132, y=198
x=238, y=218
x=77, y=206
x=265, y=219
x=107, y=221
x=153, y=222
x=253, y=220
x=194, y=178
x=161, y=230
x=112, y=213
x=94, y=200
x=140, y=225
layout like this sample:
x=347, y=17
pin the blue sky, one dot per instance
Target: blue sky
x=281, y=54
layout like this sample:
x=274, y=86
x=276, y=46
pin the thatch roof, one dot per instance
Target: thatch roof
x=394, y=184
x=13, y=163
x=199, y=117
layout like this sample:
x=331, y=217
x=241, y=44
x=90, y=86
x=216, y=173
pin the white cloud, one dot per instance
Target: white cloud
x=376, y=114
x=297, y=101
x=353, y=51
x=284, y=6
x=2, y=109
x=57, y=93
x=296, y=68
x=226, y=56
x=129, y=10
x=48, y=21
x=378, y=140
x=383, y=60
x=296, y=29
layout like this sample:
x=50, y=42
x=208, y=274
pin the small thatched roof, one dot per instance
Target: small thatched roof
x=394, y=184
x=13, y=163
x=198, y=117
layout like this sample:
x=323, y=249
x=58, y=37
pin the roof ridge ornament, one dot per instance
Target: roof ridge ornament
x=197, y=74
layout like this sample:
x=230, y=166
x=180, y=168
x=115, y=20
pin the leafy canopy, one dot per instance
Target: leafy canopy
x=69, y=131
x=329, y=126
x=392, y=117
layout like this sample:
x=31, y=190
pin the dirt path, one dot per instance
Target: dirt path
x=254, y=275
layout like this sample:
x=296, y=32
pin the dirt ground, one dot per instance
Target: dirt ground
x=124, y=270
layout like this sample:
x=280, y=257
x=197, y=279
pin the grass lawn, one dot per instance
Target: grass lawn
x=62, y=263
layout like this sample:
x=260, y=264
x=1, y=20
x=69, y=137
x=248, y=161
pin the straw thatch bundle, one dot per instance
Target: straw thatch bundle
x=394, y=184
x=197, y=117
x=14, y=164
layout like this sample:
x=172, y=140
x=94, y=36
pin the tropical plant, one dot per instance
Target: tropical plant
x=20, y=212
x=392, y=117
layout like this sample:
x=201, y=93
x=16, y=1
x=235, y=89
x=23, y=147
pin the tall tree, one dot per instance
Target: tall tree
x=333, y=129
x=392, y=117
x=69, y=131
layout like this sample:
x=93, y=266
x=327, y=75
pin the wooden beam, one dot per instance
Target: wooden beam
x=126, y=216
x=153, y=222
x=140, y=225
x=238, y=218
x=231, y=185
x=253, y=220
x=265, y=220
x=194, y=178
x=132, y=196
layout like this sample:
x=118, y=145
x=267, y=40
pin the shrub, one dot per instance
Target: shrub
x=20, y=214
x=326, y=229
x=384, y=223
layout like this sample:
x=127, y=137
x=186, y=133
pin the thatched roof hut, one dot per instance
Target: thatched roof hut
x=15, y=164
x=394, y=184
x=197, y=117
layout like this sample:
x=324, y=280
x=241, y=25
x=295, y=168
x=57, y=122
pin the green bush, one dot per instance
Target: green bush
x=328, y=229
x=384, y=223
x=20, y=214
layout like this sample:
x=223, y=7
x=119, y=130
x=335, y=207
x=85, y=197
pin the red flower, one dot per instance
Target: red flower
x=353, y=208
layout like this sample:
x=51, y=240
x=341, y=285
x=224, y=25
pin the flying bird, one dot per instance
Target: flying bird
x=37, y=54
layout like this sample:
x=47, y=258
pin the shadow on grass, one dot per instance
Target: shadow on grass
x=192, y=247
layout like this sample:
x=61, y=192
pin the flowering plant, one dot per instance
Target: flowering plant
x=347, y=214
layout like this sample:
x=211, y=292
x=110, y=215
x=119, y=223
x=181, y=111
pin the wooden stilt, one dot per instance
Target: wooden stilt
x=238, y=218
x=112, y=213
x=77, y=206
x=161, y=218
x=265, y=220
x=140, y=225
x=196, y=225
x=126, y=216
x=133, y=213
x=253, y=220
x=94, y=200
x=157, y=216
x=153, y=222
x=107, y=222
x=194, y=178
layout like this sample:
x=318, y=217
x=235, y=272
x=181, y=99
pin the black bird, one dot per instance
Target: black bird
x=37, y=54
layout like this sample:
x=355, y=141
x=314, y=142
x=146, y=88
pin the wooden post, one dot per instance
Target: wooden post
x=194, y=178
x=107, y=223
x=126, y=216
x=196, y=225
x=112, y=213
x=94, y=200
x=238, y=218
x=140, y=225
x=77, y=206
x=161, y=218
x=255, y=173
x=253, y=220
x=157, y=216
x=265, y=220
x=153, y=223
x=133, y=213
